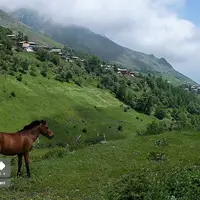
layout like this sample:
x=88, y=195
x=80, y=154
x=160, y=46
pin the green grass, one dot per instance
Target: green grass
x=83, y=173
x=86, y=172
x=64, y=106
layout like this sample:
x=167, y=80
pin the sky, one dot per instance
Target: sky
x=165, y=28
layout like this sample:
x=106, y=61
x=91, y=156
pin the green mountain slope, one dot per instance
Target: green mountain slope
x=14, y=24
x=81, y=38
x=91, y=110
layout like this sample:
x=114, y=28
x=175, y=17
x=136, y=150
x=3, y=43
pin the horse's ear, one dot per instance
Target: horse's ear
x=44, y=122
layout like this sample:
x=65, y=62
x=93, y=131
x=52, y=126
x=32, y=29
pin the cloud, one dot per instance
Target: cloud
x=150, y=26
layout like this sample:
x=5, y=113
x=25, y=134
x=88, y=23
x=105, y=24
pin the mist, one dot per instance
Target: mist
x=149, y=26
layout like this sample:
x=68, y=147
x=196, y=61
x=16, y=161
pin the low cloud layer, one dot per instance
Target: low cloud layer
x=150, y=26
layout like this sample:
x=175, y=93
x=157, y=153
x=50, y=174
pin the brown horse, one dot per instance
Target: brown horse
x=21, y=142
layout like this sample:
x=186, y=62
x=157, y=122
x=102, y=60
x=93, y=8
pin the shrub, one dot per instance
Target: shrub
x=157, y=156
x=143, y=184
x=126, y=109
x=120, y=128
x=11, y=73
x=19, y=78
x=161, y=143
x=136, y=187
x=84, y=130
x=12, y=94
x=43, y=73
x=160, y=113
x=55, y=153
x=154, y=128
x=32, y=73
x=141, y=132
x=78, y=82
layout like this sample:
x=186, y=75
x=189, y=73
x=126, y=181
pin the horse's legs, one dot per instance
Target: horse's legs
x=19, y=164
x=26, y=159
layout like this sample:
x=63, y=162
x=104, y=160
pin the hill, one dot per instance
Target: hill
x=8, y=21
x=81, y=38
x=130, y=128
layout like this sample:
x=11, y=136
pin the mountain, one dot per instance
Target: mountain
x=7, y=20
x=81, y=38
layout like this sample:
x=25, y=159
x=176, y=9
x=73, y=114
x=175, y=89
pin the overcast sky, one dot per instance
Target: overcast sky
x=165, y=28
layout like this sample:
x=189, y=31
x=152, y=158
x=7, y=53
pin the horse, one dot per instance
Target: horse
x=20, y=143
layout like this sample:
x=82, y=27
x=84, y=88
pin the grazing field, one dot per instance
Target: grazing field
x=83, y=173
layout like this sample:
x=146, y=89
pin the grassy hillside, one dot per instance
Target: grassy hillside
x=85, y=173
x=83, y=39
x=121, y=154
x=10, y=22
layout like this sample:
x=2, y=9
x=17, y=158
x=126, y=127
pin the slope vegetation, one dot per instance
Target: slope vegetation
x=8, y=21
x=81, y=38
x=99, y=136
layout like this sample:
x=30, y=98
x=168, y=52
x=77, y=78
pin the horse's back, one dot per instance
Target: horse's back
x=10, y=144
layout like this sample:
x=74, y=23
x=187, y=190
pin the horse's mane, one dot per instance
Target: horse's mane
x=33, y=124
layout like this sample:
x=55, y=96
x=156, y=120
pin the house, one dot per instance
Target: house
x=122, y=71
x=12, y=36
x=133, y=74
x=55, y=50
x=75, y=57
x=32, y=44
x=25, y=45
x=43, y=47
x=29, y=49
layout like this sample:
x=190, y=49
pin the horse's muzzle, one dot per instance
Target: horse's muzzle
x=50, y=136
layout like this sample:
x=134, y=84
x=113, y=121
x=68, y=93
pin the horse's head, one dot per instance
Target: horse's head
x=44, y=130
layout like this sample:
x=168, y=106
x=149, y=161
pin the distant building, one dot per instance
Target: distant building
x=57, y=51
x=75, y=57
x=12, y=36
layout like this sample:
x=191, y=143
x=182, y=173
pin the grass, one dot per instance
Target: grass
x=84, y=173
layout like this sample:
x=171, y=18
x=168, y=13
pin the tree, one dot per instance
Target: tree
x=160, y=113
x=26, y=38
x=20, y=36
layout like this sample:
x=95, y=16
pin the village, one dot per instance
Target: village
x=31, y=46
x=192, y=88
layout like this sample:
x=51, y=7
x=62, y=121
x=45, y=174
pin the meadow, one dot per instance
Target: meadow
x=66, y=172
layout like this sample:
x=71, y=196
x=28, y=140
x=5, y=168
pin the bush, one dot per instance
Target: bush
x=43, y=73
x=141, y=132
x=19, y=78
x=120, y=128
x=161, y=143
x=55, y=153
x=131, y=187
x=84, y=130
x=154, y=128
x=157, y=156
x=78, y=82
x=32, y=73
x=11, y=73
x=126, y=109
x=12, y=94
x=160, y=113
x=177, y=183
